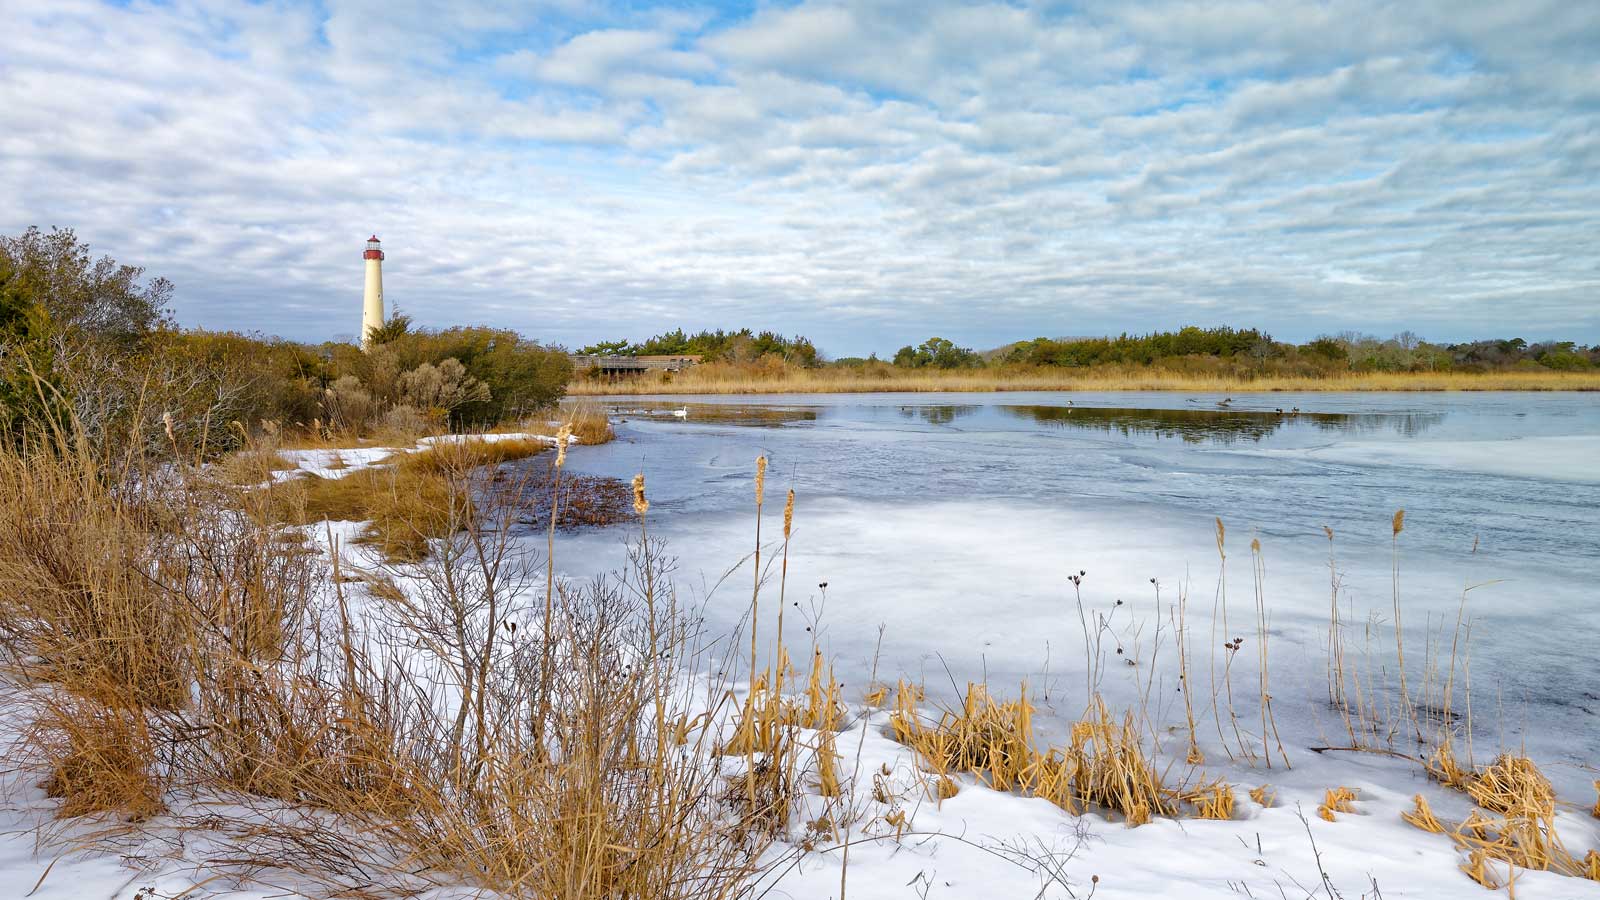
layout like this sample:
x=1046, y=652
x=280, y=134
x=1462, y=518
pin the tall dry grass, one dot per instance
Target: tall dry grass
x=724, y=379
x=585, y=420
x=192, y=645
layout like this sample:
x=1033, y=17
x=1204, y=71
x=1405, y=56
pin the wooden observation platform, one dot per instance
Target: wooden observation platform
x=631, y=365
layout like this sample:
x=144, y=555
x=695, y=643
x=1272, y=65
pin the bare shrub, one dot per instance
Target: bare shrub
x=404, y=424
x=443, y=387
x=349, y=406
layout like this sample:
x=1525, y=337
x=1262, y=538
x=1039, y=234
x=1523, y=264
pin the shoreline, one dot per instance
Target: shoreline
x=822, y=382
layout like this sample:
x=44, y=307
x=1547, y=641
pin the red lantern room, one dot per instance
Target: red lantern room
x=372, y=249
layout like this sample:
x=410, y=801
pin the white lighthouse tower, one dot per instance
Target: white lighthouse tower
x=372, y=296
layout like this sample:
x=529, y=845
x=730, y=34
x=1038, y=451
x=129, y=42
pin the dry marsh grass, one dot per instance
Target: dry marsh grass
x=407, y=500
x=1513, y=823
x=404, y=507
x=189, y=648
x=584, y=420
x=1104, y=766
x=102, y=758
x=718, y=379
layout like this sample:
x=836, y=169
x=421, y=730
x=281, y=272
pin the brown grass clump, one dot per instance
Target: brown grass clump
x=993, y=740
x=1212, y=802
x=1521, y=832
x=252, y=466
x=767, y=714
x=1336, y=800
x=1423, y=817
x=454, y=455
x=586, y=421
x=1264, y=795
x=100, y=759
x=590, y=424
x=1513, y=785
x=1112, y=771
x=1442, y=767
x=1104, y=765
x=92, y=574
x=824, y=710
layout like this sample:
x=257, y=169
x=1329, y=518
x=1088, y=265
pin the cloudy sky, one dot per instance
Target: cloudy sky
x=866, y=173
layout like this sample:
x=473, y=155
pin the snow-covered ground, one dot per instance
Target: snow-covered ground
x=978, y=844
x=337, y=463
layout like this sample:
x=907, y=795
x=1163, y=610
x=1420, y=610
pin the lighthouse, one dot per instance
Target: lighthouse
x=372, y=296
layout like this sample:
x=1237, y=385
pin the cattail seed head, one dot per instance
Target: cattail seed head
x=563, y=437
x=761, y=479
x=640, y=504
x=788, y=514
x=166, y=419
x=1399, y=522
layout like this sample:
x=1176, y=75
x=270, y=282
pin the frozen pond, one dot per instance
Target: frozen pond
x=955, y=520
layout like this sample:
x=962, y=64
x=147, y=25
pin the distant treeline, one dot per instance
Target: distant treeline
x=1348, y=351
x=89, y=346
x=1247, y=350
x=740, y=346
x=1234, y=351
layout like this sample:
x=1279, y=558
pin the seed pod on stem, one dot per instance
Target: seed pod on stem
x=640, y=504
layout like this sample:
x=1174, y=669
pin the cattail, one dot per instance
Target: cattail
x=563, y=437
x=761, y=478
x=166, y=419
x=788, y=514
x=1399, y=521
x=640, y=504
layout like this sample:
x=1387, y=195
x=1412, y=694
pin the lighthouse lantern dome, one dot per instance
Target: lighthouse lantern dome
x=373, y=251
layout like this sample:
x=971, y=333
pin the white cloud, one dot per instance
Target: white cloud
x=863, y=172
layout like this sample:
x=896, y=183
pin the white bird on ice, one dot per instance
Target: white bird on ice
x=681, y=412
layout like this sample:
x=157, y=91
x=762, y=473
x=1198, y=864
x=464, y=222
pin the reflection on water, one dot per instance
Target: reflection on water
x=761, y=415
x=939, y=414
x=1226, y=426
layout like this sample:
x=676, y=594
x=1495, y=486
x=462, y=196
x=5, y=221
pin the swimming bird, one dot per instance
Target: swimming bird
x=682, y=412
